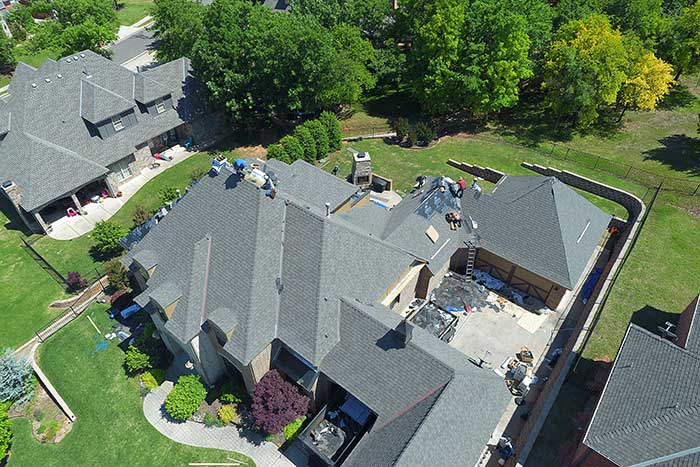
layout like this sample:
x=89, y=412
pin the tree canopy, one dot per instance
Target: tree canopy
x=245, y=59
x=466, y=57
x=178, y=25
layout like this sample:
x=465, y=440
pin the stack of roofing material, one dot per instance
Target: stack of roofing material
x=456, y=292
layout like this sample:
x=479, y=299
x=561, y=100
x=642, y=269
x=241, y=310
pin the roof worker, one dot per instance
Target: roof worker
x=335, y=170
x=462, y=186
x=239, y=165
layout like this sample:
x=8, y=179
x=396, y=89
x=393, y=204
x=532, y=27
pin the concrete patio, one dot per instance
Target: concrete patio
x=67, y=228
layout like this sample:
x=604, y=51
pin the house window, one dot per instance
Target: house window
x=160, y=106
x=121, y=170
x=117, y=123
x=395, y=302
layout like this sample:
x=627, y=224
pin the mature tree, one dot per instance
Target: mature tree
x=178, y=25
x=276, y=403
x=20, y=21
x=246, y=61
x=466, y=57
x=571, y=10
x=645, y=18
x=538, y=22
x=307, y=142
x=585, y=69
x=686, y=50
x=7, y=54
x=75, y=12
x=648, y=80
x=88, y=35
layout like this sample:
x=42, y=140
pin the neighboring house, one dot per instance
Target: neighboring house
x=649, y=412
x=243, y=283
x=83, y=124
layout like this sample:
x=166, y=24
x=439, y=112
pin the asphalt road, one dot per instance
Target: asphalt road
x=133, y=46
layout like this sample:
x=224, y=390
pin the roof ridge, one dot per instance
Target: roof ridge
x=561, y=232
x=690, y=353
x=62, y=149
x=85, y=80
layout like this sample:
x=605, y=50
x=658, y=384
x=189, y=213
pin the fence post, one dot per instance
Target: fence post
x=38, y=336
x=595, y=164
x=566, y=156
x=629, y=169
x=75, y=315
x=696, y=190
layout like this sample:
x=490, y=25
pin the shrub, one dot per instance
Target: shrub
x=38, y=414
x=209, y=420
x=158, y=375
x=137, y=360
x=424, y=133
x=185, y=398
x=148, y=330
x=5, y=431
x=227, y=414
x=116, y=275
x=334, y=130
x=233, y=393
x=15, y=378
x=41, y=9
x=167, y=195
x=149, y=381
x=141, y=214
x=277, y=151
x=196, y=174
x=307, y=142
x=107, y=235
x=291, y=430
x=402, y=129
x=74, y=281
x=293, y=148
x=276, y=403
x=411, y=137
x=318, y=131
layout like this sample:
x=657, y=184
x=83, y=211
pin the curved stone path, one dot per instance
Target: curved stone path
x=228, y=438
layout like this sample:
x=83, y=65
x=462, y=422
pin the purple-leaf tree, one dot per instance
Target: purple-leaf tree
x=276, y=403
x=75, y=281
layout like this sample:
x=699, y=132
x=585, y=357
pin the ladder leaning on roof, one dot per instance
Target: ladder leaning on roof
x=471, y=258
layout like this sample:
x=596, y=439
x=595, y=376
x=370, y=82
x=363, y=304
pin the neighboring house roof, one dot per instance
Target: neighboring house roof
x=538, y=223
x=277, y=5
x=649, y=411
x=49, y=109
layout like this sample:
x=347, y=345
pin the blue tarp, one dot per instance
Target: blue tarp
x=130, y=310
x=356, y=410
x=137, y=234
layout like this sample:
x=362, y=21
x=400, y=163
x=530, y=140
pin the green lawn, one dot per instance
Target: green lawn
x=5, y=80
x=403, y=165
x=26, y=289
x=36, y=59
x=110, y=429
x=131, y=11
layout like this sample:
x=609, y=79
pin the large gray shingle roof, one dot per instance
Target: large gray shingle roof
x=650, y=408
x=538, y=223
x=49, y=133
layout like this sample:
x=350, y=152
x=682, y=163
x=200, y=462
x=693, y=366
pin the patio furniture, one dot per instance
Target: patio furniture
x=70, y=212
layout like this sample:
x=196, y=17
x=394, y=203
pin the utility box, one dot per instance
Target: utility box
x=361, y=169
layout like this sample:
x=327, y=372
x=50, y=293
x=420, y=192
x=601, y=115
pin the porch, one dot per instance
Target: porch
x=61, y=225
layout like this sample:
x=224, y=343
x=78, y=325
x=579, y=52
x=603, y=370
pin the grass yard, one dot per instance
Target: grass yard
x=5, y=80
x=131, y=11
x=26, y=289
x=36, y=59
x=111, y=429
x=403, y=165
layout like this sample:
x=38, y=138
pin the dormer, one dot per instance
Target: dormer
x=109, y=112
x=153, y=98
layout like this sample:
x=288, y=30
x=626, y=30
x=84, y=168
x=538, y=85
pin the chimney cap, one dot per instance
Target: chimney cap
x=405, y=331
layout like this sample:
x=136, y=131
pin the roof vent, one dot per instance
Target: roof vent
x=328, y=209
x=7, y=184
x=68, y=60
x=75, y=57
x=48, y=80
x=82, y=55
x=59, y=76
x=33, y=85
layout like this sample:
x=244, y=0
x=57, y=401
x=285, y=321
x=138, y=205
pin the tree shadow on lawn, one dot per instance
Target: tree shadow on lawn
x=531, y=123
x=678, y=98
x=679, y=152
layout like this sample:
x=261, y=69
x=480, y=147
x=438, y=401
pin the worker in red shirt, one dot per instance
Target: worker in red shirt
x=462, y=185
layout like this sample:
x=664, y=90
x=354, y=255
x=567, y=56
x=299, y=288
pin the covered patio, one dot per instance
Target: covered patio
x=65, y=227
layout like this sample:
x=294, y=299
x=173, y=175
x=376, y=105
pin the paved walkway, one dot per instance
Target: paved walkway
x=228, y=438
x=67, y=228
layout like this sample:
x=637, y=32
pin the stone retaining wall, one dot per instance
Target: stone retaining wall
x=487, y=173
